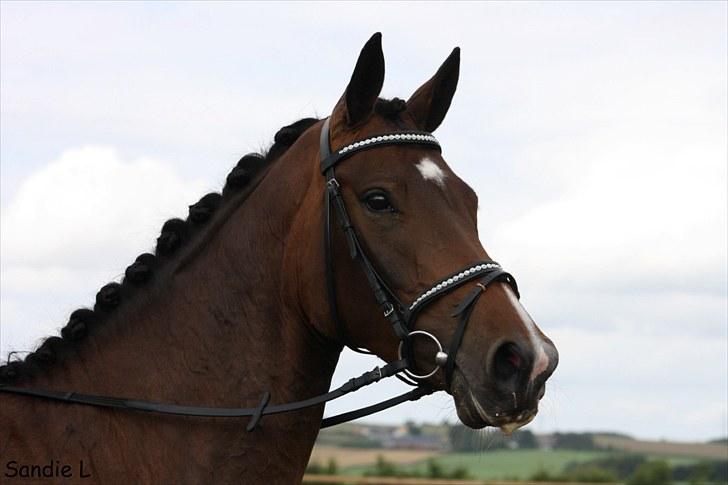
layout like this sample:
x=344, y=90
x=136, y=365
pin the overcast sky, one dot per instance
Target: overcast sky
x=593, y=133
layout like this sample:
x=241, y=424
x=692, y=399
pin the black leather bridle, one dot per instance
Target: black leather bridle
x=402, y=317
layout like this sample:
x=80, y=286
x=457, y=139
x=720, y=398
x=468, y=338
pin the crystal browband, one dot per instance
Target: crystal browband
x=404, y=137
x=396, y=137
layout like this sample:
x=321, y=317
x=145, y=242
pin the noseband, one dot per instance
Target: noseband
x=402, y=317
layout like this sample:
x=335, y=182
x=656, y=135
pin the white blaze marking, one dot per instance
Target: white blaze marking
x=542, y=360
x=430, y=171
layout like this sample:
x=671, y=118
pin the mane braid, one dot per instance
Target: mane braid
x=240, y=182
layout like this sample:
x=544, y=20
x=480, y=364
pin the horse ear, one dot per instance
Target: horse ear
x=429, y=104
x=366, y=82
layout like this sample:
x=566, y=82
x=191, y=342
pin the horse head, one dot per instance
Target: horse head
x=415, y=222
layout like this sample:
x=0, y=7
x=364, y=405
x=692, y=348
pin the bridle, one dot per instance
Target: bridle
x=401, y=317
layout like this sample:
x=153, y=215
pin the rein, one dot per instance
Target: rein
x=401, y=317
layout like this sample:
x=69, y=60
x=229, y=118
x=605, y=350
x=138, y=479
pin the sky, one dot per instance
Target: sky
x=595, y=135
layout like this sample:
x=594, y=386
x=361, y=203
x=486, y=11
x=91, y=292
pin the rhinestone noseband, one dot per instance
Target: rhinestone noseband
x=445, y=284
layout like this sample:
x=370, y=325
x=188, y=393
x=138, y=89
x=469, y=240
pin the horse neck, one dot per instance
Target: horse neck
x=223, y=328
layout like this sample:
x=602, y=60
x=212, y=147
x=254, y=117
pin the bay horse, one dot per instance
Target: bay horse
x=256, y=293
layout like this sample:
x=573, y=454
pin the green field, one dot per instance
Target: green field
x=503, y=464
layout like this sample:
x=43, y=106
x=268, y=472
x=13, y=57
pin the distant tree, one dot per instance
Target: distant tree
x=700, y=473
x=460, y=473
x=525, y=439
x=413, y=429
x=574, y=441
x=705, y=471
x=720, y=471
x=581, y=474
x=383, y=468
x=543, y=475
x=434, y=469
x=652, y=473
x=622, y=466
x=590, y=474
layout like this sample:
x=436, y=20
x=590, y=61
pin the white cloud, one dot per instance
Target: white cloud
x=641, y=197
x=89, y=205
x=75, y=224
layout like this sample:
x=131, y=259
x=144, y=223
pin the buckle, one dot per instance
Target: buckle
x=389, y=310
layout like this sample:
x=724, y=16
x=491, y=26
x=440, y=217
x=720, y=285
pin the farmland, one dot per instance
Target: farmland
x=498, y=465
x=700, y=450
x=355, y=457
x=489, y=460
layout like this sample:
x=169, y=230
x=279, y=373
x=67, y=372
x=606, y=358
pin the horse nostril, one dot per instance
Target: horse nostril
x=507, y=361
x=515, y=360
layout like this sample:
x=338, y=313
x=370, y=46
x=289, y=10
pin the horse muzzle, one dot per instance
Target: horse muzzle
x=507, y=396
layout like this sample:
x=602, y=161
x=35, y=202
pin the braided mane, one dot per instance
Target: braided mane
x=175, y=233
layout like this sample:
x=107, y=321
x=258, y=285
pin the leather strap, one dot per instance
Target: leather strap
x=388, y=303
x=351, y=385
x=329, y=159
x=412, y=395
x=465, y=309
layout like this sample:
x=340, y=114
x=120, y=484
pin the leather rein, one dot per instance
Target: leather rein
x=401, y=317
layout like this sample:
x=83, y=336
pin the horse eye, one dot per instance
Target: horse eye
x=378, y=202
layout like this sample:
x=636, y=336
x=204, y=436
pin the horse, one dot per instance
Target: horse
x=258, y=290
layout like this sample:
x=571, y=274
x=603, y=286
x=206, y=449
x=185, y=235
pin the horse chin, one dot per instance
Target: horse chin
x=470, y=411
x=478, y=413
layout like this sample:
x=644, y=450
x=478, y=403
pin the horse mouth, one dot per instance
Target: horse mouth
x=476, y=410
